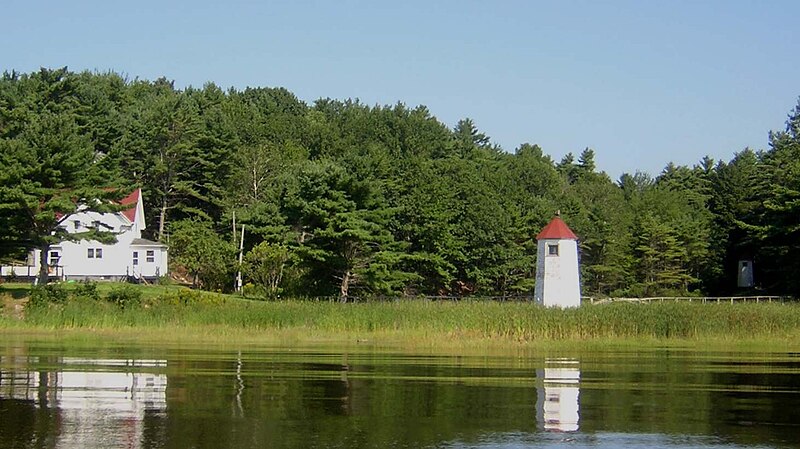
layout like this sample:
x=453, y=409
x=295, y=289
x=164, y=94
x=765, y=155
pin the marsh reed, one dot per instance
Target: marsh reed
x=183, y=310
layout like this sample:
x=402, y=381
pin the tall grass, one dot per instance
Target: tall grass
x=192, y=312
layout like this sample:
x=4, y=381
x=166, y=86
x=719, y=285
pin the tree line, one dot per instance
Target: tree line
x=343, y=198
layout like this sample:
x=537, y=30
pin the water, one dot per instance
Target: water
x=61, y=396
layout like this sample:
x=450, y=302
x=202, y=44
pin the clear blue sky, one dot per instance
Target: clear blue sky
x=642, y=82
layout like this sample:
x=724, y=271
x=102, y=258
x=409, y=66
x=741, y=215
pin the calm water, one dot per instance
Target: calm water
x=55, y=396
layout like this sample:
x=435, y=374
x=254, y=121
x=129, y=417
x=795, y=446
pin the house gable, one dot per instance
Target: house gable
x=127, y=223
x=135, y=213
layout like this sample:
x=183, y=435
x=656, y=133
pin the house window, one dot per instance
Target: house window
x=94, y=253
x=136, y=257
x=552, y=249
x=54, y=257
x=151, y=256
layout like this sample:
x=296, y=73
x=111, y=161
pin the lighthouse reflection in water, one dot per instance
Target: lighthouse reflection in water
x=558, y=395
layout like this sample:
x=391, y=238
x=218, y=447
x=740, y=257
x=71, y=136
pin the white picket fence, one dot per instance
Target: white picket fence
x=701, y=299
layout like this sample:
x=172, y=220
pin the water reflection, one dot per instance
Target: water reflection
x=372, y=397
x=557, y=403
x=96, y=401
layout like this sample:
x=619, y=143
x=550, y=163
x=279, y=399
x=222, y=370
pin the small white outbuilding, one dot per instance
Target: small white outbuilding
x=557, y=273
x=745, y=276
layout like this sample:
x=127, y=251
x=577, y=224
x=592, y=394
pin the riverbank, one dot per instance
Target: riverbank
x=177, y=314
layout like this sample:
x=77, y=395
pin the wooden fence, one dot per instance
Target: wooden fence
x=701, y=299
x=584, y=299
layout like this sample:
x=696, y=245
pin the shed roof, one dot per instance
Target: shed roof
x=145, y=242
x=558, y=230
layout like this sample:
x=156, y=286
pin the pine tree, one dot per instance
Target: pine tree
x=50, y=169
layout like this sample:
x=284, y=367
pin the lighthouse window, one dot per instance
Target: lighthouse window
x=552, y=250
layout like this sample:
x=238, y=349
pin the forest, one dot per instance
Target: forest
x=339, y=198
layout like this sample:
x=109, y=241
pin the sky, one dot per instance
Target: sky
x=641, y=82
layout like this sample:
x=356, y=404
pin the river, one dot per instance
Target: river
x=57, y=395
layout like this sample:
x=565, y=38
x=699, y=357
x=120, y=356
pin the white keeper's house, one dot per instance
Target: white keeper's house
x=131, y=257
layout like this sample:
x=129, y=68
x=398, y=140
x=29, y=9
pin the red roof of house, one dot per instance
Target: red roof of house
x=557, y=229
x=131, y=200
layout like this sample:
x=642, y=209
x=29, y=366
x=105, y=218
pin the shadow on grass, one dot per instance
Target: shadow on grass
x=16, y=290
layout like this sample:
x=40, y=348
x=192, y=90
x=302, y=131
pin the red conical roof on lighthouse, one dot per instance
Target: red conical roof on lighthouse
x=557, y=230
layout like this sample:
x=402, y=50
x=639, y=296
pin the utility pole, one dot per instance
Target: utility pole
x=239, y=273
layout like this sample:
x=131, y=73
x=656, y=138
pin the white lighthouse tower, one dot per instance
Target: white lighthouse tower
x=557, y=280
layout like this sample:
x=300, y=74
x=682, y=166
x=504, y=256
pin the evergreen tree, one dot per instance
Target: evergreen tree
x=567, y=168
x=470, y=143
x=586, y=162
x=381, y=198
x=341, y=232
x=49, y=167
x=779, y=226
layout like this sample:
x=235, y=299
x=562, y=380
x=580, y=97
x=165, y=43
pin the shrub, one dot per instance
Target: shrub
x=125, y=296
x=249, y=290
x=264, y=265
x=44, y=295
x=88, y=290
x=164, y=280
x=185, y=297
x=197, y=247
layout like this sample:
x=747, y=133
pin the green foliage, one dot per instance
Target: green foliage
x=125, y=296
x=164, y=280
x=45, y=295
x=340, y=223
x=203, y=253
x=264, y=265
x=376, y=199
x=88, y=290
x=50, y=163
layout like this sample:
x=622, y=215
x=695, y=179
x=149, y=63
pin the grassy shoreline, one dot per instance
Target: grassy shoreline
x=159, y=314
